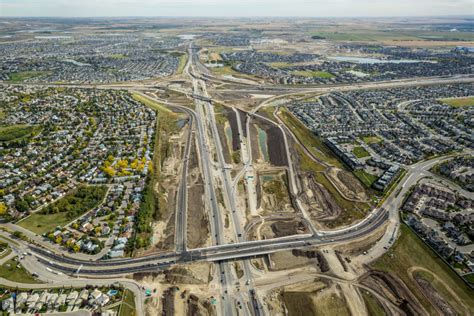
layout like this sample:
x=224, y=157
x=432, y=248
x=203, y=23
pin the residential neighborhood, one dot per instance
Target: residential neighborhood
x=74, y=138
x=445, y=221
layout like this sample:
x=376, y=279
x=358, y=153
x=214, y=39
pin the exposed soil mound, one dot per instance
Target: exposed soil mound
x=322, y=262
x=276, y=147
x=196, y=307
x=288, y=228
x=323, y=206
x=395, y=290
x=140, y=276
x=181, y=275
x=349, y=184
x=197, y=223
x=168, y=302
x=235, y=130
x=434, y=297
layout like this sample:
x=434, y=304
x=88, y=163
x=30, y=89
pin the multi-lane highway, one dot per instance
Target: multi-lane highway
x=228, y=243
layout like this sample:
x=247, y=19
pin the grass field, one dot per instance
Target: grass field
x=182, y=63
x=366, y=178
x=226, y=70
x=371, y=139
x=127, y=308
x=16, y=132
x=310, y=73
x=353, y=210
x=5, y=253
x=364, y=34
x=40, y=222
x=459, y=102
x=229, y=71
x=150, y=103
x=409, y=252
x=154, y=204
x=307, y=303
x=311, y=141
x=374, y=308
x=279, y=64
x=24, y=75
x=360, y=152
x=118, y=56
x=10, y=272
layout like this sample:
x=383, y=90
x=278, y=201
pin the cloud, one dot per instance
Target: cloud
x=316, y=8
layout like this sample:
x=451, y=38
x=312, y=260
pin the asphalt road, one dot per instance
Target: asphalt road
x=221, y=252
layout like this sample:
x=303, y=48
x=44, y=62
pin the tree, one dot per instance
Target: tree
x=76, y=248
x=122, y=164
x=134, y=165
x=17, y=234
x=109, y=171
x=21, y=205
x=3, y=209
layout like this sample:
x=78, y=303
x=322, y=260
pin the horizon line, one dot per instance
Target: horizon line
x=234, y=17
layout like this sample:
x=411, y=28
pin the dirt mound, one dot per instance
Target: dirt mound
x=437, y=300
x=181, y=275
x=275, y=143
x=168, y=301
x=196, y=307
x=276, y=147
x=197, y=223
x=323, y=205
x=235, y=130
x=348, y=184
x=140, y=276
x=225, y=147
x=288, y=228
x=322, y=262
x=395, y=290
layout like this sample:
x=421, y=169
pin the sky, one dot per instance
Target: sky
x=241, y=8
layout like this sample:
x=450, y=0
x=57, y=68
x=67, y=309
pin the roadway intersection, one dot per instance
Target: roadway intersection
x=66, y=269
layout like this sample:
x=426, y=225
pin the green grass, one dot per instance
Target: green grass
x=65, y=210
x=276, y=187
x=310, y=73
x=459, y=102
x=312, y=142
x=469, y=278
x=279, y=64
x=17, y=132
x=226, y=70
x=410, y=251
x=118, y=56
x=307, y=303
x=150, y=103
x=153, y=206
x=366, y=178
x=371, y=139
x=351, y=210
x=374, y=308
x=10, y=272
x=182, y=63
x=364, y=34
x=360, y=152
x=24, y=75
x=5, y=253
x=42, y=223
x=127, y=308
